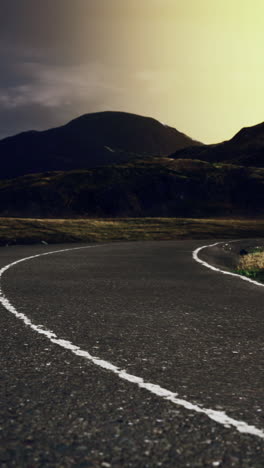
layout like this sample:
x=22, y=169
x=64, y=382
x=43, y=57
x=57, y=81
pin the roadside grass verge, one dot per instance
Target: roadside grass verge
x=32, y=231
x=252, y=265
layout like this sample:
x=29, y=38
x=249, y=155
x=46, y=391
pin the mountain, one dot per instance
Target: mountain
x=112, y=164
x=148, y=187
x=246, y=148
x=88, y=141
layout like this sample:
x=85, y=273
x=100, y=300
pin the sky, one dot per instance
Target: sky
x=197, y=65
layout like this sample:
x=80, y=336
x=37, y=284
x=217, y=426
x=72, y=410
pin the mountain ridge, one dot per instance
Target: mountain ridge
x=245, y=148
x=88, y=141
x=224, y=179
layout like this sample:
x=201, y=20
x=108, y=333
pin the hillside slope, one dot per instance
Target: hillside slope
x=153, y=187
x=246, y=148
x=88, y=141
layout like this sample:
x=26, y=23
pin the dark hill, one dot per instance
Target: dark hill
x=246, y=148
x=149, y=187
x=88, y=141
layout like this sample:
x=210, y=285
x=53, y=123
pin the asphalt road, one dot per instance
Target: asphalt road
x=148, y=308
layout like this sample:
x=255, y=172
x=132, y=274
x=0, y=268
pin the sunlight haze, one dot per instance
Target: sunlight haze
x=197, y=65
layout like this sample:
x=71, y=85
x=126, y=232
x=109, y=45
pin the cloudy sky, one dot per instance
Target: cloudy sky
x=197, y=65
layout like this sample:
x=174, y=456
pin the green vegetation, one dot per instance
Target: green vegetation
x=252, y=264
x=256, y=250
x=30, y=231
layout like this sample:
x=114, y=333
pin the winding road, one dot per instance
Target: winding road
x=128, y=355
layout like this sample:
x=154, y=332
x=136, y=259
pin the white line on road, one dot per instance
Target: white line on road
x=218, y=416
x=196, y=257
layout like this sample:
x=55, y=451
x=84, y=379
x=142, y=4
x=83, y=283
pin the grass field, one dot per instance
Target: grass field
x=252, y=265
x=32, y=231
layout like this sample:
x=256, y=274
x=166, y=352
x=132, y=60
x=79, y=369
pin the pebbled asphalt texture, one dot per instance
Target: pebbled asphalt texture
x=146, y=307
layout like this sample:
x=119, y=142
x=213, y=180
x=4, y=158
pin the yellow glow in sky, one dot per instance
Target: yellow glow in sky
x=197, y=65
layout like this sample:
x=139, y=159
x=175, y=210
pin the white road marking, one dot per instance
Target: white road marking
x=218, y=416
x=196, y=257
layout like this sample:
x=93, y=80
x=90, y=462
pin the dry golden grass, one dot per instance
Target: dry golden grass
x=253, y=261
x=31, y=231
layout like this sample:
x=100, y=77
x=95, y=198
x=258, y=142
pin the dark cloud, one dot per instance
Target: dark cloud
x=62, y=58
x=61, y=31
x=43, y=95
x=34, y=22
x=49, y=74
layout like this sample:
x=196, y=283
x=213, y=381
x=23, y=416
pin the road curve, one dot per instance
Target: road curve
x=149, y=309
